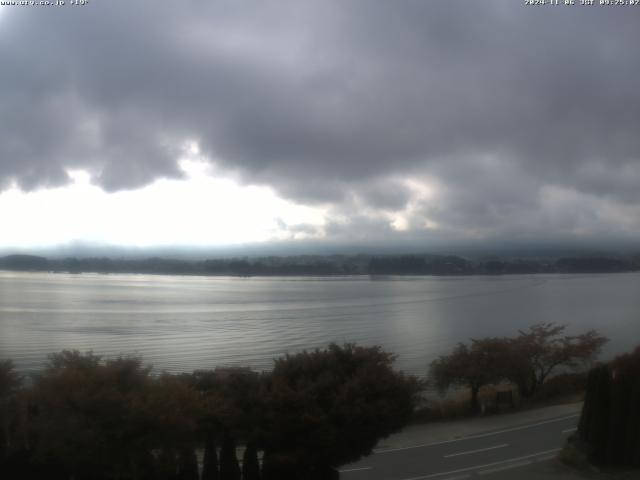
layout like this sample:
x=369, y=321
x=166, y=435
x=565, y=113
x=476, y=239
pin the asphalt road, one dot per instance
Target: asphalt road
x=476, y=455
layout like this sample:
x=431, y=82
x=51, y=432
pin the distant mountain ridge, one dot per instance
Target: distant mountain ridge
x=316, y=265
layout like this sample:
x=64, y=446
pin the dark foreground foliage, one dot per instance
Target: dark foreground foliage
x=609, y=428
x=329, y=407
x=84, y=417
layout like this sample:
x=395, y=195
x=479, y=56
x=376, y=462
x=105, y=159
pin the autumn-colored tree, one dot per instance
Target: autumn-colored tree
x=480, y=363
x=102, y=419
x=527, y=360
x=543, y=348
x=329, y=407
x=82, y=418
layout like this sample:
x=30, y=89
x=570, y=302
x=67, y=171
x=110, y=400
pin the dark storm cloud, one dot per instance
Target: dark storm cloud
x=494, y=100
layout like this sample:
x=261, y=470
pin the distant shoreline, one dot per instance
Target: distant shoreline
x=336, y=275
x=326, y=266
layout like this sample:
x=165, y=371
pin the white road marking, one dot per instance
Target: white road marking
x=505, y=467
x=570, y=430
x=354, y=469
x=477, y=467
x=481, y=435
x=476, y=451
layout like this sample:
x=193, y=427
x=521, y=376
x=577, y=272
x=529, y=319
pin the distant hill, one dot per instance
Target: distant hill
x=24, y=262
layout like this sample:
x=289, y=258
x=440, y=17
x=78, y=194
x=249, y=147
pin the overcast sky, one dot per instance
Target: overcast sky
x=230, y=122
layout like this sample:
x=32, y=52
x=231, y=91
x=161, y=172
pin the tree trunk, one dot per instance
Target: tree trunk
x=527, y=386
x=475, y=404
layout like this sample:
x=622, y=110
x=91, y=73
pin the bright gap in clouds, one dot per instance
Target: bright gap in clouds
x=199, y=210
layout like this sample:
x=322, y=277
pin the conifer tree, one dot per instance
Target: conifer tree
x=210, y=460
x=229, y=467
x=610, y=421
x=167, y=465
x=250, y=463
x=187, y=464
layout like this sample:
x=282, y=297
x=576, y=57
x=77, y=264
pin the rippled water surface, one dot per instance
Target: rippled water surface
x=183, y=323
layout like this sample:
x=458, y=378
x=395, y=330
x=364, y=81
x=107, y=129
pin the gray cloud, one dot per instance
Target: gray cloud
x=323, y=100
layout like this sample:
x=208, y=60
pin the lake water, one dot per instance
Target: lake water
x=184, y=323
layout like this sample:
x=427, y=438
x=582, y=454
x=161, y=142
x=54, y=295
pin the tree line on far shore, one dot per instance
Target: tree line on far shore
x=84, y=417
x=324, y=265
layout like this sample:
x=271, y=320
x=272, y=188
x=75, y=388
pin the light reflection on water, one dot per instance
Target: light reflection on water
x=183, y=323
